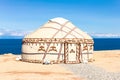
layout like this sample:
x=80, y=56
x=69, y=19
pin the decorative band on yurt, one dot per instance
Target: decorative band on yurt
x=57, y=40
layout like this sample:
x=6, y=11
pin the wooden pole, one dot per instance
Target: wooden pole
x=65, y=52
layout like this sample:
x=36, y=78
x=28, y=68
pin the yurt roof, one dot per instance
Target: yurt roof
x=58, y=28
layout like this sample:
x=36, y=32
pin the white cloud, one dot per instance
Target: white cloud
x=7, y=32
x=19, y=33
x=107, y=35
x=1, y=33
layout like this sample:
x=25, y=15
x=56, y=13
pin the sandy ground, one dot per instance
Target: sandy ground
x=10, y=69
x=108, y=60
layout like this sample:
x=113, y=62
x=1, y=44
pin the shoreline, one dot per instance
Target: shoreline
x=107, y=50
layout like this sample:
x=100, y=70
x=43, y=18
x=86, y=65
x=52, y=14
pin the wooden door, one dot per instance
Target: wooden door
x=72, y=53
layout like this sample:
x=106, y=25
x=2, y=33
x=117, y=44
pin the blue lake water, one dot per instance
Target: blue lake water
x=14, y=45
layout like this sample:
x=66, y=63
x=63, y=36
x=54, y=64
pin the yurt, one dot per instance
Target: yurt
x=57, y=41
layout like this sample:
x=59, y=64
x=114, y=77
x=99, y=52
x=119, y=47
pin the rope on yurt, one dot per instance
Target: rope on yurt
x=51, y=42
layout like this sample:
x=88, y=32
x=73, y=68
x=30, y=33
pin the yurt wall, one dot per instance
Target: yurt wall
x=87, y=52
x=52, y=51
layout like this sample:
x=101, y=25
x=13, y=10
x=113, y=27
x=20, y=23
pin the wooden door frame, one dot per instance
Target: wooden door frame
x=78, y=53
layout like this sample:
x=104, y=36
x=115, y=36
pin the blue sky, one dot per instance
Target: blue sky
x=100, y=18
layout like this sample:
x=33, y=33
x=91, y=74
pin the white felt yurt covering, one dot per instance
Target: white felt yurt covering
x=57, y=41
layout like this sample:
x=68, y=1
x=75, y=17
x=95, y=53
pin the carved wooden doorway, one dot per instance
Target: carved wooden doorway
x=71, y=53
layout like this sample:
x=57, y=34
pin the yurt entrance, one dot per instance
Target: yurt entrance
x=71, y=53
